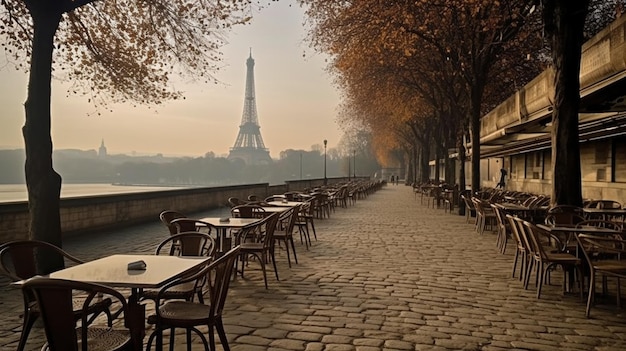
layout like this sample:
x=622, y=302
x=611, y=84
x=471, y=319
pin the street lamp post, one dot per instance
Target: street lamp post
x=349, y=163
x=301, y=166
x=325, y=179
x=354, y=168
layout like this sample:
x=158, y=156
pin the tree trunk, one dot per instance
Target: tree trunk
x=437, y=162
x=461, y=183
x=42, y=182
x=564, y=21
x=475, y=98
x=424, y=159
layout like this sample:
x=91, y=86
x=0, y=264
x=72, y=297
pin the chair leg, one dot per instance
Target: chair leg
x=205, y=343
x=155, y=333
x=314, y=232
x=293, y=248
x=262, y=261
x=592, y=287
x=212, y=338
x=305, y=238
x=287, y=249
x=27, y=325
x=540, y=278
x=515, y=263
x=188, y=333
x=529, y=270
x=222, y=334
x=274, y=264
x=522, y=271
x=619, y=294
x=173, y=338
x=307, y=234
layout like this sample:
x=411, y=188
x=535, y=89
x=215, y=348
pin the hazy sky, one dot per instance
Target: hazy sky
x=296, y=103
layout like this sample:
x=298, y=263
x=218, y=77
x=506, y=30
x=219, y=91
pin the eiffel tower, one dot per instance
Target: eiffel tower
x=249, y=145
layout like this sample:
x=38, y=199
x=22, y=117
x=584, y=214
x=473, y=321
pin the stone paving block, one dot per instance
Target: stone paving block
x=288, y=344
x=337, y=339
x=398, y=345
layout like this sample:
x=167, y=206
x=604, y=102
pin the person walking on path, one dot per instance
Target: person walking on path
x=502, y=183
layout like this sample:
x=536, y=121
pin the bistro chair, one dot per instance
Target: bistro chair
x=522, y=251
x=321, y=205
x=184, y=244
x=436, y=196
x=546, y=258
x=272, y=198
x=257, y=239
x=293, y=195
x=605, y=257
x=304, y=219
x=248, y=211
x=284, y=230
x=56, y=302
x=171, y=314
x=470, y=209
x=182, y=225
x=18, y=261
x=168, y=216
x=234, y=201
x=485, y=216
x=564, y=215
x=503, y=228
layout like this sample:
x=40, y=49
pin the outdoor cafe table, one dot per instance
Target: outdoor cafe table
x=520, y=210
x=604, y=213
x=222, y=226
x=269, y=210
x=285, y=203
x=568, y=231
x=113, y=271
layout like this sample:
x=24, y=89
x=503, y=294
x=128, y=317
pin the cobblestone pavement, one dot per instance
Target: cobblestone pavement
x=385, y=274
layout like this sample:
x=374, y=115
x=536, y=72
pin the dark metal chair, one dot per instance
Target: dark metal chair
x=55, y=299
x=257, y=239
x=190, y=315
x=184, y=244
x=284, y=231
x=168, y=216
x=18, y=261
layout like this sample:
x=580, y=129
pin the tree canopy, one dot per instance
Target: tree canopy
x=397, y=61
x=128, y=49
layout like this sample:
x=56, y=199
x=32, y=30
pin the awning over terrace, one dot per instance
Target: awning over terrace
x=522, y=123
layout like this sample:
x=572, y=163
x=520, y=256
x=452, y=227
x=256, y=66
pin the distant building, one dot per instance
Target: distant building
x=249, y=145
x=102, y=151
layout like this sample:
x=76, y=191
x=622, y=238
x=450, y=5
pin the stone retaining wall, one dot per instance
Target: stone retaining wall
x=92, y=213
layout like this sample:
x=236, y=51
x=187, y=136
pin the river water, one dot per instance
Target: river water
x=17, y=192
